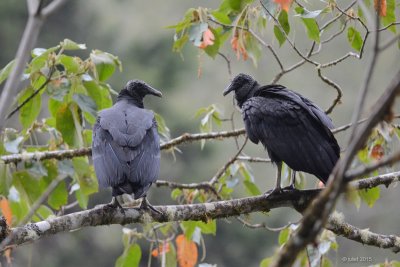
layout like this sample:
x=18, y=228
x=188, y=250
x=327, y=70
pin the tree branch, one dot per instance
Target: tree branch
x=104, y=215
x=363, y=236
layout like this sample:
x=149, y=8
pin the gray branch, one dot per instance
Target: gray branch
x=105, y=215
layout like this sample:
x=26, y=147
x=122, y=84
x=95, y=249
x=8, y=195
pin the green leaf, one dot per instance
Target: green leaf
x=85, y=175
x=29, y=112
x=221, y=17
x=6, y=71
x=251, y=188
x=162, y=127
x=284, y=236
x=254, y=49
x=67, y=44
x=44, y=212
x=87, y=137
x=312, y=29
x=86, y=104
x=390, y=15
x=185, y=23
x=99, y=93
x=208, y=228
x=279, y=35
x=65, y=124
x=370, y=196
x=212, y=50
x=310, y=25
x=83, y=199
x=354, y=38
x=130, y=257
x=266, y=262
x=174, y=194
x=180, y=42
x=5, y=178
x=59, y=196
x=283, y=21
x=196, y=33
x=170, y=257
x=70, y=63
x=105, y=64
x=31, y=187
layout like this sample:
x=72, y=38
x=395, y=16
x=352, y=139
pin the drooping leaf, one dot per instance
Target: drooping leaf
x=284, y=21
x=370, y=196
x=98, y=92
x=130, y=257
x=251, y=188
x=266, y=262
x=85, y=175
x=354, y=38
x=29, y=112
x=187, y=253
x=6, y=210
x=284, y=236
x=390, y=15
x=279, y=35
x=65, y=124
x=310, y=24
x=196, y=33
x=4, y=72
x=380, y=5
x=68, y=44
x=70, y=64
x=105, y=64
x=86, y=104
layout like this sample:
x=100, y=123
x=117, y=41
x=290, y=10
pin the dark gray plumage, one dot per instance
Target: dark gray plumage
x=126, y=145
x=291, y=127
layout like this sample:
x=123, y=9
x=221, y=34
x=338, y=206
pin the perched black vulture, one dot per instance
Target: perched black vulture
x=291, y=127
x=126, y=145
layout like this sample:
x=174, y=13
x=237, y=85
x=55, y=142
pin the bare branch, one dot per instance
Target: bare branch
x=335, y=86
x=389, y=160
x=104, y=215
x=363, y=236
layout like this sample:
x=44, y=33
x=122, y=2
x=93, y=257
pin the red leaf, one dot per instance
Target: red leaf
x=163, y=248
x=285, y=4
x=186, y=251
x=6, y=210
x=381, y=6
x=377, y=152
x=238, y=47
x=208, y=39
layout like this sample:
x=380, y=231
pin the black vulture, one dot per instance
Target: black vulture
x=126, y=145
x=291, y=127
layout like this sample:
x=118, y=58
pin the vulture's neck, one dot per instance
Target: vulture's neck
x=132, y=99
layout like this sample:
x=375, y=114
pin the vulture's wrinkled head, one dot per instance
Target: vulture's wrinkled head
x=137, y=88
x=243, y=85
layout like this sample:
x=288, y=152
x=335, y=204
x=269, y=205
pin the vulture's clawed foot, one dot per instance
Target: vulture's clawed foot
x=290, y=188
x=115, y=204
x=275, y=191
x=145, y=205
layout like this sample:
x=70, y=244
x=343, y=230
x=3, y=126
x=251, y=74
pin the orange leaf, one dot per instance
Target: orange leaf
x=381, y=6
x=239, y=48
x=6, y=210
x=7, y=254
x=208, y=39
x=186, y=251
x=163, y=248
x=285, y=4
x=377, y=152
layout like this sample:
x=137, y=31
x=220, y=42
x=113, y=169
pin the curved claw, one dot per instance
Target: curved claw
x=145, y=205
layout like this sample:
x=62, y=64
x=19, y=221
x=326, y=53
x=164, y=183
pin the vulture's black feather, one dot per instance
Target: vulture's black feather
x=291, y=127
x=126, y=145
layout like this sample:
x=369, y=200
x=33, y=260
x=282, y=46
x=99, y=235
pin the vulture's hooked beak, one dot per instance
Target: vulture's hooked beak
x=228, y=89
x=154, y=91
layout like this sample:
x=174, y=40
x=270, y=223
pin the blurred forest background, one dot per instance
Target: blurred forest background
x=135, y=31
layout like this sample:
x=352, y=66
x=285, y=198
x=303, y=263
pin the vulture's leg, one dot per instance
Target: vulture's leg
x=116, y=204
x=292, y=185
x=145, y=205
x=277, y=188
